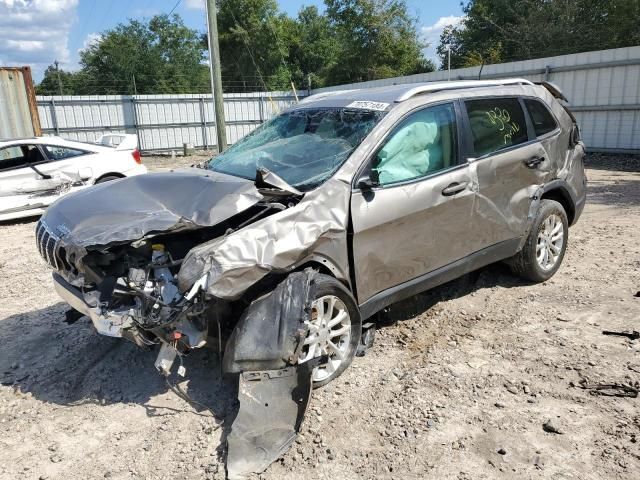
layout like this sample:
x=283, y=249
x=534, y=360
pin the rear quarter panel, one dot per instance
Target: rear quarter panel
x=569, y=160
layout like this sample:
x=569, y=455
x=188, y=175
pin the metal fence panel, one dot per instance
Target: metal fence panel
x=603, y=88
x=162, y=122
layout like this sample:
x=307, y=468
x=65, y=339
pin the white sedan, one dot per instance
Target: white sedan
x=34, y=172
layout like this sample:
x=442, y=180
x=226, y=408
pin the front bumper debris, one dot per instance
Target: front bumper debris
x=272, y=407
x=262, y=354
x=273, y=389
x=112, y=324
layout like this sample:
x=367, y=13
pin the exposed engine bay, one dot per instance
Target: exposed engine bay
x=133, y=288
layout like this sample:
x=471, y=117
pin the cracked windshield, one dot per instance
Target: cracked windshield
x=303, y=147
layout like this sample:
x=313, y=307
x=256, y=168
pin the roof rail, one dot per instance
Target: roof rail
x=440, y=86
x=321, y=95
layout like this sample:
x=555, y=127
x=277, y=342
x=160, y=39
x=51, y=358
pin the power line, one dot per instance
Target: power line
x=174, y=7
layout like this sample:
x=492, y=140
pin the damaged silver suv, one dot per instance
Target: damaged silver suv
x=278, y=250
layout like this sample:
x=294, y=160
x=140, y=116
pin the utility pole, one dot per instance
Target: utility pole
x=449, y=61
x=216, y=79
x=58, y=75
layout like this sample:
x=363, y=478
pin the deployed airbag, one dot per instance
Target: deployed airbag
x=410, y=151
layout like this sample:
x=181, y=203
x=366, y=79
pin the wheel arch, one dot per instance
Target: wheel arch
x=558, y=190
x=109, y=174
x=326, y=266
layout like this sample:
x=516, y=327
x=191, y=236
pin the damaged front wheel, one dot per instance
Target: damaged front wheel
x=334, y=330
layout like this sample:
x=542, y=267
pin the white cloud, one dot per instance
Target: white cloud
x=90, y=40
x=36, y=32
x=431, y=35
x=194, y=4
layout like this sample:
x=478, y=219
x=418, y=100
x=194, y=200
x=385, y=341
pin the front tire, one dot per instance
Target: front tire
x=544, y=249
x=334, y=330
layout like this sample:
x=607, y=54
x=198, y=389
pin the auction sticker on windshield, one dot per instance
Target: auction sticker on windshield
x=366, y=105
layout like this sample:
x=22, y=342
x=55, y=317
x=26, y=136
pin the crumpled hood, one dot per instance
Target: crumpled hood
x=130, y=208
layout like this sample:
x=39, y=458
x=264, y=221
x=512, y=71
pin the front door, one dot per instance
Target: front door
x=417, y=215
x=17, y=178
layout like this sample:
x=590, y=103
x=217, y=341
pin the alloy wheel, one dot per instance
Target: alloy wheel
x=329, y=335
x=550, y=242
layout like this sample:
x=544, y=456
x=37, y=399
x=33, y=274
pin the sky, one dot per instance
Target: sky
x=38, y=32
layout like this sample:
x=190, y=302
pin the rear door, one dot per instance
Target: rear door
x=418, y=215
x=68, y=166
x=508, y=163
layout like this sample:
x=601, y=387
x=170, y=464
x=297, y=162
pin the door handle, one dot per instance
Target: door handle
x=533, y=162
x=454, y=188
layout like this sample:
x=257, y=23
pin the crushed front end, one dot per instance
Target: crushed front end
x=131, y=292
x=167, y=277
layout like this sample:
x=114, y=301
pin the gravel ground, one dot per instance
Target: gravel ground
x=479, y=378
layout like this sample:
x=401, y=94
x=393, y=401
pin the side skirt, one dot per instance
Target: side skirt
x=449, y=272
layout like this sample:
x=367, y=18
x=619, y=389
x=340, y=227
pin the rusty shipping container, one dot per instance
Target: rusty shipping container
x=18, y=107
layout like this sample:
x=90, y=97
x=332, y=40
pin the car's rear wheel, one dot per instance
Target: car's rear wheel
x=544, y=249
x=334, y=330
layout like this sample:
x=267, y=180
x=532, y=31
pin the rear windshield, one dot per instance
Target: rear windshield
x=304, y=147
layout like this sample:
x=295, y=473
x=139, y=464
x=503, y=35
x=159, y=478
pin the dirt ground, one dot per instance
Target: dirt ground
x=458, y=385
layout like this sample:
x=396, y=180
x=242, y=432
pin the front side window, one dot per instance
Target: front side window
x=11, y=157
x=19, y=156
x=496, y=123
x=424, y=143
x=543, y=121
x=60, y=153
x=304, y=147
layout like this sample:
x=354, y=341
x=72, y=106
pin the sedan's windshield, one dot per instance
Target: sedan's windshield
x=304, y=147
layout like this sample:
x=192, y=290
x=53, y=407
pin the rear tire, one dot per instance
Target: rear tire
x=335, y=331
x=544, y=249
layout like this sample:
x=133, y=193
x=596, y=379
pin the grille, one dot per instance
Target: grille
x=49, y=247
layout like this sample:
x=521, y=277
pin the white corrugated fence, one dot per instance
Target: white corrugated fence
x=162, y=122
x=603, y=89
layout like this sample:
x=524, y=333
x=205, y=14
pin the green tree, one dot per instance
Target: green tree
x=315, y=50
x=260, y=47
x=160, y=55
x=57, y=82
x=254, y=38
x=496, y=31
x=377, y=39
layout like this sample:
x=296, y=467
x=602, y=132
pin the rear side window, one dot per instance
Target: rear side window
x=543, y=121
x=496, y=123
x=60, y=153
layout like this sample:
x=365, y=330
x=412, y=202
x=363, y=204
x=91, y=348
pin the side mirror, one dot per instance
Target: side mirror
x=43, y=176
x=365, y=183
